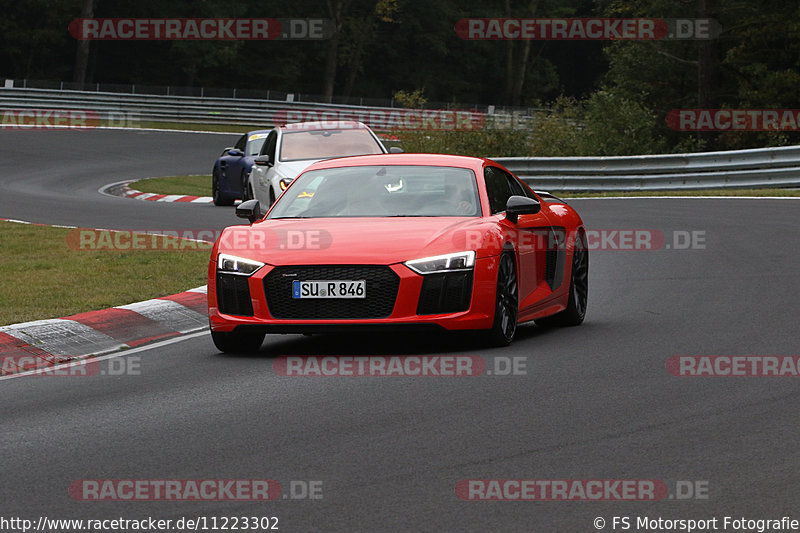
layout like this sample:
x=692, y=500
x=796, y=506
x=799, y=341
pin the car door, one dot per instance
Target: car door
x=263, y=167
x=531, y=235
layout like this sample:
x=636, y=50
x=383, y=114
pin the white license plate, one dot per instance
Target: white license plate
x=329, y=289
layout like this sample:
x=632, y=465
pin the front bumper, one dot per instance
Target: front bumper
x=251, y=299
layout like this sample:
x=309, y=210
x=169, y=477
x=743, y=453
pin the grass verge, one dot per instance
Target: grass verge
x=703, y=192
x=186, y=185
x=41, y=276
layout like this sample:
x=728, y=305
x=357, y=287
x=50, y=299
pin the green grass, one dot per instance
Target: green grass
x=186, y=185
x=42, y=276
x=703, y=192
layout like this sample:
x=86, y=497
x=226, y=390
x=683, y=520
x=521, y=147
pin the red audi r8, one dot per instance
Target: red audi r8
x=399, y=241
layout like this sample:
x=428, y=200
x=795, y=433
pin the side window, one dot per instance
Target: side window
x=269, y=145
x=240, y=144
x=517, y=187
x=497, y=188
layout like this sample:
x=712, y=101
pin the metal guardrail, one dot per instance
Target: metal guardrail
x=204, y=110
x=761, y=167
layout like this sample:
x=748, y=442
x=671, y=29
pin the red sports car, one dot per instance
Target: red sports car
x=399, y=241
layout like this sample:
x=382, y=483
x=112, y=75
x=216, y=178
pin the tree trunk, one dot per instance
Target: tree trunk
x=706, y=71
x=82, y=53
x=335, y=8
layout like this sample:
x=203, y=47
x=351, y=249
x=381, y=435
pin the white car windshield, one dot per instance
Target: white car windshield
x=324, y=144
x=381, y=191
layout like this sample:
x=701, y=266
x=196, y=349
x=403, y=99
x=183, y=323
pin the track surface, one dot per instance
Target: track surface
x=596, y=402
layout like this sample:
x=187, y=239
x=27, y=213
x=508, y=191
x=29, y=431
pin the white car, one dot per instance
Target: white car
x=289, y=149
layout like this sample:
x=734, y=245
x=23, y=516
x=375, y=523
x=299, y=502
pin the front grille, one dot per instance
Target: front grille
x=233, y=295
x=445, y=293
x=381, y=292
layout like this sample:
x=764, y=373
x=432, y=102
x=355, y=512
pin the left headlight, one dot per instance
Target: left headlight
x=443, y=263
x=237, y=265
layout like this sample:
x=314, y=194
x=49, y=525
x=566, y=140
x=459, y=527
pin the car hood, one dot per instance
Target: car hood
x=352, y=240
x=292, y=169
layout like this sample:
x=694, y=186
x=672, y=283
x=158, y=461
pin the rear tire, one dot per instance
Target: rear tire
x=506, y=303
x=242, y=341
x=575, y=312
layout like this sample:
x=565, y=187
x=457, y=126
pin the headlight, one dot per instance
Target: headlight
x=237, y=265
x=443, y=263
x=284, y=183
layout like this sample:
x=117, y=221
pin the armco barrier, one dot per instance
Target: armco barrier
x=761, y=167
x=121, y=107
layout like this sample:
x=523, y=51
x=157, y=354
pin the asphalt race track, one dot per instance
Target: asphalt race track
x=596, y=401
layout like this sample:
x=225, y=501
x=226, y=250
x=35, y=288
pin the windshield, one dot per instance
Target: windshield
x=324, y=144
x=255, y=143
x=381, y=191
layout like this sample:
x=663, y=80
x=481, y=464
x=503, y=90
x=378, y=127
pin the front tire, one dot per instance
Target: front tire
x=575, y=312
x=242, y=341
x=506, y=303
x=246, y=194
x=219, y=198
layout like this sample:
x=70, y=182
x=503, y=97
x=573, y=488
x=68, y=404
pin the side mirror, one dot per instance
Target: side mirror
x=235, y=152
x=521, y=205
x=263, y=161
x=395, y=150
x=251, y=210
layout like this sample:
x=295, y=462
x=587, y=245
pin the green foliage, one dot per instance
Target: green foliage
x=411, y=100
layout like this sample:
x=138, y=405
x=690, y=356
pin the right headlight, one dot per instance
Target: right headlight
x=230, y=264
x=443, y=263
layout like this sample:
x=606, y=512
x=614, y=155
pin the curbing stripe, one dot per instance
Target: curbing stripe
x=121, y=189
x=124, y=325
x=60, y=337
x=44, y=343
x=172, y=314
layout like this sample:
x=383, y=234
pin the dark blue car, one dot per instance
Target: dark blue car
x=232, y=168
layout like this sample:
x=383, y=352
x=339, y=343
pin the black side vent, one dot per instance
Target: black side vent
x=233, y=295
x=445, y=293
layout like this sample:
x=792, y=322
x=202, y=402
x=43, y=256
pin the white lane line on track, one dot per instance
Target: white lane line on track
x=120, y=353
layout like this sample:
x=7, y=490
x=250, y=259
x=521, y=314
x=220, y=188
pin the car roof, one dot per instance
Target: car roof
x=440, y=160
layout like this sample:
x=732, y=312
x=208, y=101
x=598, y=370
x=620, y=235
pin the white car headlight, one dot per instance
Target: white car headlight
x=443, y=263
x=231, y=264
x=284, y=182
